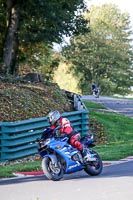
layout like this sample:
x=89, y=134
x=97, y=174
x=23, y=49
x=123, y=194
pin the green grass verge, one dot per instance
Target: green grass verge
x=115, y=151
x=118, y=131
x=8, y=170
x=90, y=104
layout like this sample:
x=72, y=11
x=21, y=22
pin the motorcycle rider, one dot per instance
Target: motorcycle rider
x=55, y=120
x=94, y=89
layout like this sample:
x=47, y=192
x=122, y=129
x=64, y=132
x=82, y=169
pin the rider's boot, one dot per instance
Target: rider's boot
x=86, y=156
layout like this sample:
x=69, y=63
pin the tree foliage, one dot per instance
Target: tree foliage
x=29, y=23
x=105, y=55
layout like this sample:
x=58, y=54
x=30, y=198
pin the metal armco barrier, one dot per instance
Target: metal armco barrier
x=17, y=139
x=78, y=104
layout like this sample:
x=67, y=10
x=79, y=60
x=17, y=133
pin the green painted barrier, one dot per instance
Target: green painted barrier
x=17, y=139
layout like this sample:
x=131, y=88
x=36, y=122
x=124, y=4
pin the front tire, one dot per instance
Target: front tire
x=94, y=168
x=97, y=96
x=52, y=172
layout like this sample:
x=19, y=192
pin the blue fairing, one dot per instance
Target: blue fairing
x=49, y=145
x=59, y=157
x=65, y=151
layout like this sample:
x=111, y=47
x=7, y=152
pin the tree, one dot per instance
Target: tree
x=35, y=21
x=105, y=55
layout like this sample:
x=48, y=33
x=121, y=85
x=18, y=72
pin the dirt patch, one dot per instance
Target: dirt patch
x=20, y=101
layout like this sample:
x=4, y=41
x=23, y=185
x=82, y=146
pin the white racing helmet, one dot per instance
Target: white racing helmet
x=54, y=116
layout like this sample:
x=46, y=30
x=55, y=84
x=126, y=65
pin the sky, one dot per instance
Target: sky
x=124, y=5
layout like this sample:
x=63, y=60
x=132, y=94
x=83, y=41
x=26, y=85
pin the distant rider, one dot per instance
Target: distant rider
x=95, y=89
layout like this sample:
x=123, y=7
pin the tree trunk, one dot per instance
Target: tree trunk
x=11, y=40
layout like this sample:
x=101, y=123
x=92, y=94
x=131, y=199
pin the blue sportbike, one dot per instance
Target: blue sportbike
x=59, y=157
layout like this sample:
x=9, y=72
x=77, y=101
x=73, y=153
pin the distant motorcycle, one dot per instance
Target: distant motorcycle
x=96, y=92
x=59, y=157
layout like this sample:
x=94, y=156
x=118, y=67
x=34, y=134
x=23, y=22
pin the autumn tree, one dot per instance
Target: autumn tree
x=25, y=24
x=105, y=55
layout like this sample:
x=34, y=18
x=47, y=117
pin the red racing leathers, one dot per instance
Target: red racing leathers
x=66, y=128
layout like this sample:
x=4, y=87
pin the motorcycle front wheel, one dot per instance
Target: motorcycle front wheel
x=50, y=170
x=96, y=95
x=94, y=168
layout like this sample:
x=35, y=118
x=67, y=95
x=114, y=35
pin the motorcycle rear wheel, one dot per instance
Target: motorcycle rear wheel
x=49, y=171
x=94, y=168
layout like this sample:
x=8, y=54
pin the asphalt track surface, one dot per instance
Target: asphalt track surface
x=114, y=183
x=121, y=106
